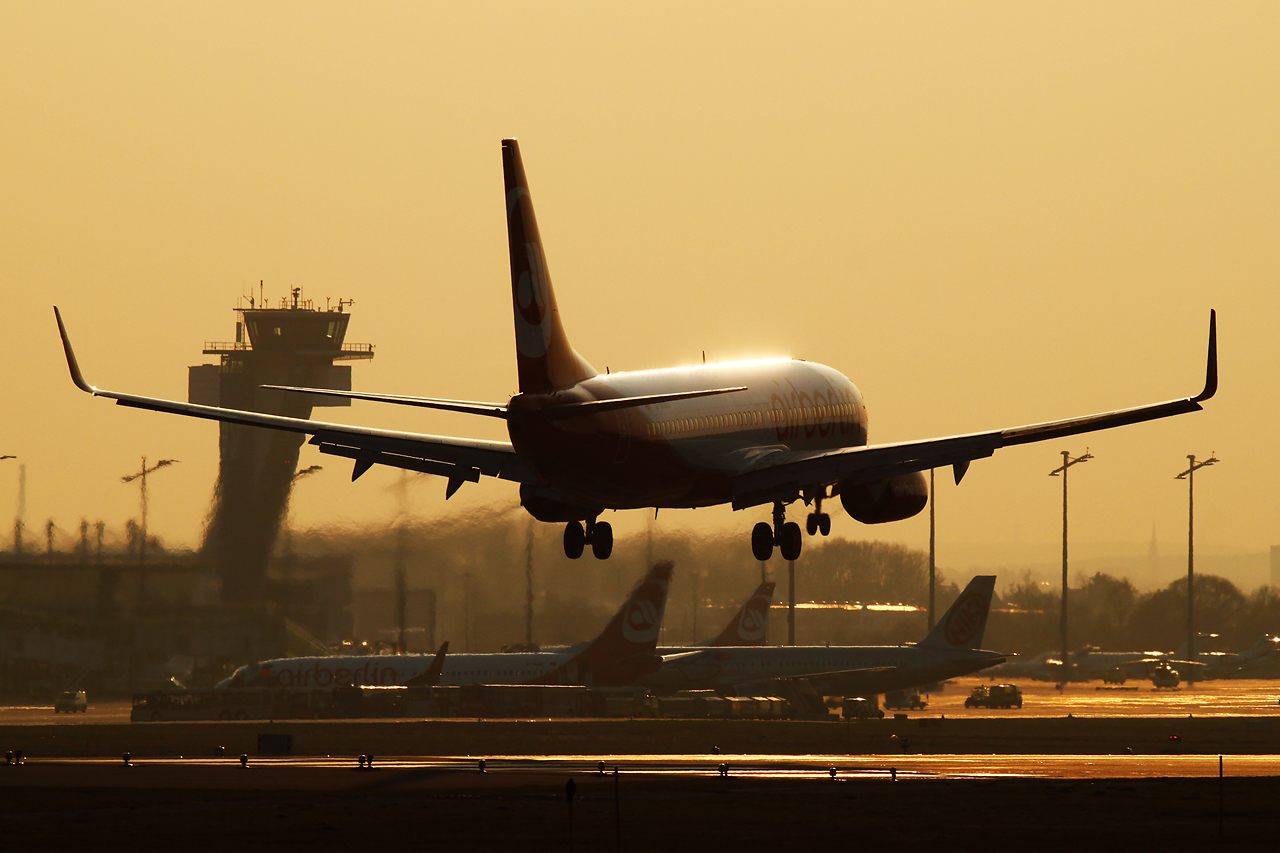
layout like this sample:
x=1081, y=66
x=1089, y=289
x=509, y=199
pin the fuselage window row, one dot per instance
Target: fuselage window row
x=740, y=419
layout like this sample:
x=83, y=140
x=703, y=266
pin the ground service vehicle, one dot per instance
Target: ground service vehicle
x=69, y=702
x=1163, y=675
x=855, y=707
x=995, y=696
x=905, y=700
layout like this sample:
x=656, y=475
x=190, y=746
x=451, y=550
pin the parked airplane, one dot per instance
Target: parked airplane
x=1090, y=664
x=622, y=653
x=748, y=433
x=951, y=649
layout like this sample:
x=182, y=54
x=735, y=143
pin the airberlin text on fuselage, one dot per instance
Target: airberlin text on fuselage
x=322, y=675
x=801, y=410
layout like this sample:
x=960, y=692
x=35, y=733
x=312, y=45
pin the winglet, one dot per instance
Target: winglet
x=1211, y=372
x=76, y=376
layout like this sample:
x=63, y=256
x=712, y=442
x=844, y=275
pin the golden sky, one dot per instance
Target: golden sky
x=985, y=214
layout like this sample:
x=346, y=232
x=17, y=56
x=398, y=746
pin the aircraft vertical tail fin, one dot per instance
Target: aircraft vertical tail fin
x=431, y=677
x=1266, y=645
x=625, y=650
x=544, y=358
x=965, y=621
x=750, y=624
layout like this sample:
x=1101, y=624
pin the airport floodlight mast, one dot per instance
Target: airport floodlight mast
x=141, y=476
x=17, y=524
x=1189, y=476
x=932, y=555
x=1067, y=462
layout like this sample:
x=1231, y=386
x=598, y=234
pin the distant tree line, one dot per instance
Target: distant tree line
x=1108, y=612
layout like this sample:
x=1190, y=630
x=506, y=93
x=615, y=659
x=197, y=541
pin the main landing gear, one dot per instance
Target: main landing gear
x=785, y=534
x=598, y=533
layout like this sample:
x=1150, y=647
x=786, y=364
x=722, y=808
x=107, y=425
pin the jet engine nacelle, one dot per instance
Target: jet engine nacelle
x=892, y=499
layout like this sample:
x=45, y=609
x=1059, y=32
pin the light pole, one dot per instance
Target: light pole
x=141, y=475
x=1189, y=476
x=932, y=563
x=1067, y=462
x=17, y=521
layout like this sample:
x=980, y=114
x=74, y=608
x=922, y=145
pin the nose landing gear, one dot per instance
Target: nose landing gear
x=599, y=534
x=785, y=534
x=817, y=521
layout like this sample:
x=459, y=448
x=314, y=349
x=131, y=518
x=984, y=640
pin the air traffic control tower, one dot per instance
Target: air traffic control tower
x=291, y=344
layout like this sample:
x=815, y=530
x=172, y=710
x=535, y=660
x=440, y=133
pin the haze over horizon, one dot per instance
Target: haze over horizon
x=984, y=214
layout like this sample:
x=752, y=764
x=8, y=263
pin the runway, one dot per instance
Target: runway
x=1245, y=697
x=337, y=772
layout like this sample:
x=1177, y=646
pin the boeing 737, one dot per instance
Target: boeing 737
x=748, y=433
x=950, y=650
x=622, y=653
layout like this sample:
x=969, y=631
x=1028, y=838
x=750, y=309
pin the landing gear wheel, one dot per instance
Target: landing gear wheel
x=824, y=524
x=789, y=541
x=601, y=540
x=575, y=539
x=811, y=523
x=762, y=541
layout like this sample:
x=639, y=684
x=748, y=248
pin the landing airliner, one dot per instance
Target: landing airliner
x=950, y=650
x=748, y=433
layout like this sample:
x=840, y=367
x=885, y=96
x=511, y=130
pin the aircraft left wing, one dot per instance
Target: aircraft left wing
x=784, y=476
x=460, y=460
x=836, y=680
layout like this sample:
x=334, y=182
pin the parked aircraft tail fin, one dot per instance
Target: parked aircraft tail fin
x=751, y=622
x=431, y=677
x=625, y=650
x=543, y=355
x=965, y=621
x=1266, y=645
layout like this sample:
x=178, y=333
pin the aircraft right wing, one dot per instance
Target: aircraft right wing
x=460, y=460
x=785, y=475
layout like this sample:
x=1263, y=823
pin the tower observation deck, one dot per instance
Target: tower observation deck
x=293, y=343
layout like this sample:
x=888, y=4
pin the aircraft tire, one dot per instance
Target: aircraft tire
x=762, y=541
x=601, y=540
x=790, y=542
x=575, y=539
x=824, y=524
x=811, y=523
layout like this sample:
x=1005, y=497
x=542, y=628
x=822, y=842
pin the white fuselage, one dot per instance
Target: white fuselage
x=392, y=670
x=725, y=668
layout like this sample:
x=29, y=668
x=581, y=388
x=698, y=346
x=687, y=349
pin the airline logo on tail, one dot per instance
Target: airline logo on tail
x=754, y=620
x=530, y=289
x=968, y=618
x=965, y=621
x=643, y=619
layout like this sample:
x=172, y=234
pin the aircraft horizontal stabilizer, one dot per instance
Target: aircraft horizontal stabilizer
x=493, y=410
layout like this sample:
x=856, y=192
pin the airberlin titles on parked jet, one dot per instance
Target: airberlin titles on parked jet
x=749, y=433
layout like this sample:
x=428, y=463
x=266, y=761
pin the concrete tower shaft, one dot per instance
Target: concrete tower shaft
x=292, y=344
